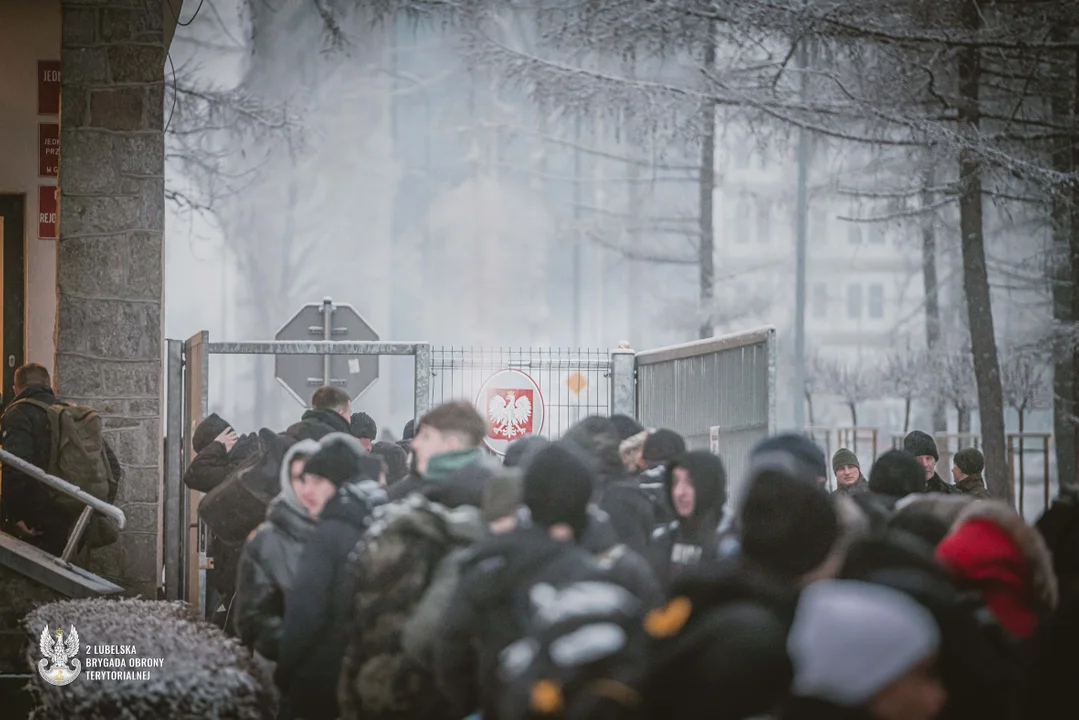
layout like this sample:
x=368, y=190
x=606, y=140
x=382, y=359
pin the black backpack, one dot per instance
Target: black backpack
x=582, y=653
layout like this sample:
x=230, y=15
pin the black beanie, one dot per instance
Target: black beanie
x=918, y=443
x=410, y=430
x=799, y=448
x=789, y=524
x=626, y=426
x=336, y=461
x=897, y=473
x=363, y=426
x=662, y=446
x=395, y=457
x=970, y=461
x=558, y=487
x=521, y=451
x=207, y=431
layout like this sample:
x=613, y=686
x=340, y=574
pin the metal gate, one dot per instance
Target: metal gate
x=718, y=393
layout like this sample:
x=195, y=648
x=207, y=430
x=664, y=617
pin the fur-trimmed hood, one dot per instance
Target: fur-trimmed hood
x=1029, y=541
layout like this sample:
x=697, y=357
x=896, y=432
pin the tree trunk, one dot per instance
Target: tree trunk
x=1062, y=288
x=634, y=270
x=929, y=279
x=976, y=274
x=809, y=407
x=707, y=188
x=906, y=415
x=853, y=414
x=1073, y=264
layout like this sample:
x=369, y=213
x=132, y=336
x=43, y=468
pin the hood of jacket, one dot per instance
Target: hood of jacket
x=287, y=494
x=709, y=482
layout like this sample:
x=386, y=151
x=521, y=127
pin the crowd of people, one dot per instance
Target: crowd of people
x=608, y=575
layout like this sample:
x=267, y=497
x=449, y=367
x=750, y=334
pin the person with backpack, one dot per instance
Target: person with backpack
x=318, y=605
x=528, y=588
x=218, y=452
x=32, y=511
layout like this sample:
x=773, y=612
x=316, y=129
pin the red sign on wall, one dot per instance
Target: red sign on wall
x=48, y=87
x=48, y=149
x=48, y=201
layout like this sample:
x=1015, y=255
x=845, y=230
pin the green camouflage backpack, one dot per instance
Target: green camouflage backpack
x=78, y=456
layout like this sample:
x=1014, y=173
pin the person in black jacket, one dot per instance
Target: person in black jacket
x=696, y=485
x=271, y=556
x=218, y=452
x=331, y=411
x=617, y=493
x=924, y=448
x=28, y=511
x=319, y=604
x=484, y=615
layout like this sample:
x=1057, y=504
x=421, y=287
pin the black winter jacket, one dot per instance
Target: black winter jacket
x=319, y=605
x=268, y=567
x=211, y=466
x=26, y=434
x=630, y=510
x=624, y=566
x=936, y=485
x=314, y=424
x=483, y=617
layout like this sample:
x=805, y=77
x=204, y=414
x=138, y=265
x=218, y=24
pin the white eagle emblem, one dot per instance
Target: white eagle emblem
x=509, y=415
x=59, y=651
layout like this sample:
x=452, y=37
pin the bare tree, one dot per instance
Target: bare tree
x=1025, y=385
x=902, y=377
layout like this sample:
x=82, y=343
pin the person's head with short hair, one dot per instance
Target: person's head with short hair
x=31, y=375
x=521, y=451
x=661, y=447
x=395, y=457
x=846, y=467
x=924, y=448
x=451, y=427
x=333, y=399
x=364, y=429
x=897, y=474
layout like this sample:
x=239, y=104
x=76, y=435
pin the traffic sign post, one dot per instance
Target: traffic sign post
x=301, y=375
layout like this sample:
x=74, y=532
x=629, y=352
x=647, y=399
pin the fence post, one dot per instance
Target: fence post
x=623, y=396
x=174, y=496
x=422, y=400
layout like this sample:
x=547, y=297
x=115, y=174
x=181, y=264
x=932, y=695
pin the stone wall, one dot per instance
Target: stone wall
x=110, y=262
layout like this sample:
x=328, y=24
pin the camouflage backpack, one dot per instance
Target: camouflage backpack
x=405, y=570
x=78, y=456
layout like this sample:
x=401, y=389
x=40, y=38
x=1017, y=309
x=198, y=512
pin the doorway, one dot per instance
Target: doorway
x=12, y=288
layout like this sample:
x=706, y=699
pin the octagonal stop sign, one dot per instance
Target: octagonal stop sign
x=303, y=374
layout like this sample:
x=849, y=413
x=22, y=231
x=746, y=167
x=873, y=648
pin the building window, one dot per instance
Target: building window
x=820, y=300
x=764, y=223
x=877, y=236
x=854, y=234
x=876, y=301
x=742, y=219
x=854, y=302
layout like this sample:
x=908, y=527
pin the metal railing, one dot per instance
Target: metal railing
x=60, y=485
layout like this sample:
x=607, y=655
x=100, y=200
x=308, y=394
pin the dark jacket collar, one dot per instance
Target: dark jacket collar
x=860, y=485
x=42, y=393
x=329, y=417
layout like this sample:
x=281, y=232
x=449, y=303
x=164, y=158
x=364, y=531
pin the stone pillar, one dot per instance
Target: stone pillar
x=110, y=260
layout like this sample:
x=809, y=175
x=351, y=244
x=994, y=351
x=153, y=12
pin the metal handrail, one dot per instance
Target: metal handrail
x=91, y=502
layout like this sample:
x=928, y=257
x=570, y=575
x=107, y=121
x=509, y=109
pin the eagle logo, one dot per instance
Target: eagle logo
x=58, y=653
x=510, y=413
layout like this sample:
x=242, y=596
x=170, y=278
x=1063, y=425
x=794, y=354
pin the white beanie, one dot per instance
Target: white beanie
x=850, y=640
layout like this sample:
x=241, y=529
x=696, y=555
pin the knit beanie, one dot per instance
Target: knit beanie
x=662, y=446
x=363, y=426
x=626, y=426
x=395, y=457
x=918, y=443
x=799, y=448
x=521, y=451
x=844, y=457
x=502, y=494
x=789, y=524
x=557, y=488
x=337, y=459
x=207, y=431
x=410, y=430
x=970, y=461
x=897, y=474
x=850, y=640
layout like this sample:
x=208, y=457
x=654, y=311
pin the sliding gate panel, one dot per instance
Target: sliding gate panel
x=726, y=383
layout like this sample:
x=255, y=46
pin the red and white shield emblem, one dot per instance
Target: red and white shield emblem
x=513, y=405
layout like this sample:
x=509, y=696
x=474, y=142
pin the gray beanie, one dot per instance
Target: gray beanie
x=851, y=639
